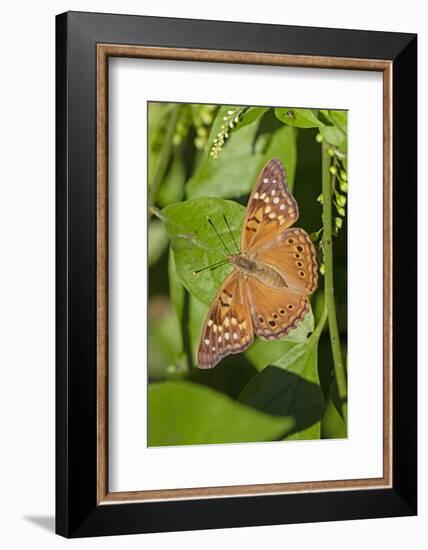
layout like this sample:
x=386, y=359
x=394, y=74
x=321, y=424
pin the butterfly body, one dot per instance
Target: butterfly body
x=275, y=272
x=251, y=268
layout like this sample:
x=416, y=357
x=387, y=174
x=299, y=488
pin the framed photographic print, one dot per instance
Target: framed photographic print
x=236, y=274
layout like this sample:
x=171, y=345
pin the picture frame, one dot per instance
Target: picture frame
x=84, y=44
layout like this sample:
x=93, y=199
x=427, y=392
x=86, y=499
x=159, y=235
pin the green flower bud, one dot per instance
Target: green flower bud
x=338, y=222
x=320, y=198
x=343, y=186
x=333, y=170
x=343, y=175
x=341, y=211
x=331, y=152
x=206, y=118
x=322, y=269
x=319, y=138
x=176, y=140
x=341, y=200
x=199, y=143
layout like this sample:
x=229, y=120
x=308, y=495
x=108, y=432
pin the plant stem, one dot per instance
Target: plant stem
x=339, y=367
x=165, y=155
x=320, y=326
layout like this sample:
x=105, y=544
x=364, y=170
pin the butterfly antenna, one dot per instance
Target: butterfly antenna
x=230, y=231
x=211, y=267
x=219, y=236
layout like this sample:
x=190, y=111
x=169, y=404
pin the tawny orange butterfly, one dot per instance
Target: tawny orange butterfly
x=267, y=293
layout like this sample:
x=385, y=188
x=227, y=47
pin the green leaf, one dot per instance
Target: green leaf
x=283, y=146
x=263, y=353
x=301, y=118
x=234, y=172
x=250, y=115
x=291, y=387
x=164, y=353
x=340, y=119
x=335, y=136
x=332, y=424
x=176, y=292
x=158, y=241
x=157, y=113
x=172, y=187
x=182, y=413
x=197, y=314
x=196, y=245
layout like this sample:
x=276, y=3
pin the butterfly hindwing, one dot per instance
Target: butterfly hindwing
x=228, y=327
x=292, y=254
x=275, y=311
x=271, y=208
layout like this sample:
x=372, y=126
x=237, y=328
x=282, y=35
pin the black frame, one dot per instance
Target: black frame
x=77, y=513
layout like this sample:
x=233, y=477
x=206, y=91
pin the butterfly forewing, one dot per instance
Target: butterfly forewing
x=271, y=208
x=292, y=254
x=275, y=311
x=228, y=327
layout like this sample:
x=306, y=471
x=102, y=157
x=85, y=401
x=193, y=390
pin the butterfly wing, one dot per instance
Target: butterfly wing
x=275, y=311
x=228, y=327
x=271, y=208
x=292, y=254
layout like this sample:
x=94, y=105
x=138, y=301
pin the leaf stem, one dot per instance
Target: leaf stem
x=339, y=367
x=165, y=155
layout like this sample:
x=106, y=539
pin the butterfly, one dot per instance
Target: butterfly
x=267, y=293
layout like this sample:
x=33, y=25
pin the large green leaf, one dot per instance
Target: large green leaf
x=164, y=352
x=301, y=118
x=176, y=289
x=263, y=353
x=332, y=424
x=158, y=241
x=183, y=413
x=197, y=314
x=340, y=119
x=177, y=296
x=335, y=136
x=250, y=115
x=196, y=244
x=172, y=187
x=291, y=387
x=234, y=172
x=157, y=113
